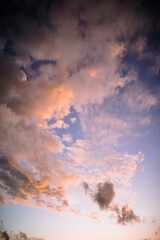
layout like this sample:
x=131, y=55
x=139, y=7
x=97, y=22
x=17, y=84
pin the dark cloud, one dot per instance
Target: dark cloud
x=104, y=195
x=21, y=186
x=125, y=214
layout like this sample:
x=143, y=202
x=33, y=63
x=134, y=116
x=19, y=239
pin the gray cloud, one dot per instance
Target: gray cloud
x=104, y=195
x=125, y=214
x=85, y=186
x=22, y=186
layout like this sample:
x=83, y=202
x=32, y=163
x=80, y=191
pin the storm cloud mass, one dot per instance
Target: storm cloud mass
x=71, y=93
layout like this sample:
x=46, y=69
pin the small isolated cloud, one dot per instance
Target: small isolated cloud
x=125, y=214
x=104, y=195
x=67, y=138
x=73, y=120
x=93, y=215
x=76, y=211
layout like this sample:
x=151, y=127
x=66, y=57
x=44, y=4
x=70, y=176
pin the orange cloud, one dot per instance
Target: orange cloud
x=93, y=215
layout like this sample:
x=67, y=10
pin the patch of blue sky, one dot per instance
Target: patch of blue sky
x=143, y=65
x=74, y=128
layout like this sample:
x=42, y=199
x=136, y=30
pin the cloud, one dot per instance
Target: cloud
x=104, y=195
x=118, y=167
x=103, y=128
x=25, y=187
x=121, y=167
x=26, y=140
x=59, y=124
x=73, y=120
x=125, y=214
x=85, y=186
x=138, y=98
x=67, y=138
x=93, y=215
x=71, y=56
x=42, y=98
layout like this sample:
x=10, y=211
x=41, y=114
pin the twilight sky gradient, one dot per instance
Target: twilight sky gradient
x=79, y=119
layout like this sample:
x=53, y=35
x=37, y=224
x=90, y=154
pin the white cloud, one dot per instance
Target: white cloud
x=67, y=138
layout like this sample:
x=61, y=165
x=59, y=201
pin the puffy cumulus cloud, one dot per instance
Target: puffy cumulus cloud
x=104, y=195
x=34, y=99
x=25, y=140
x=125, y=214
x=89, y=54
x=87, y=50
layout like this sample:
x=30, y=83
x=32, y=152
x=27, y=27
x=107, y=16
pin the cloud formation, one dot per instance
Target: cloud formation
x=125, y=214
x=85, y=186
x=70, y=58
x=23, y=187
x=93, y=215
x=104, y=195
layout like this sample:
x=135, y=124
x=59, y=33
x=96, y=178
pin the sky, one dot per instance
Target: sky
x=79, y=119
